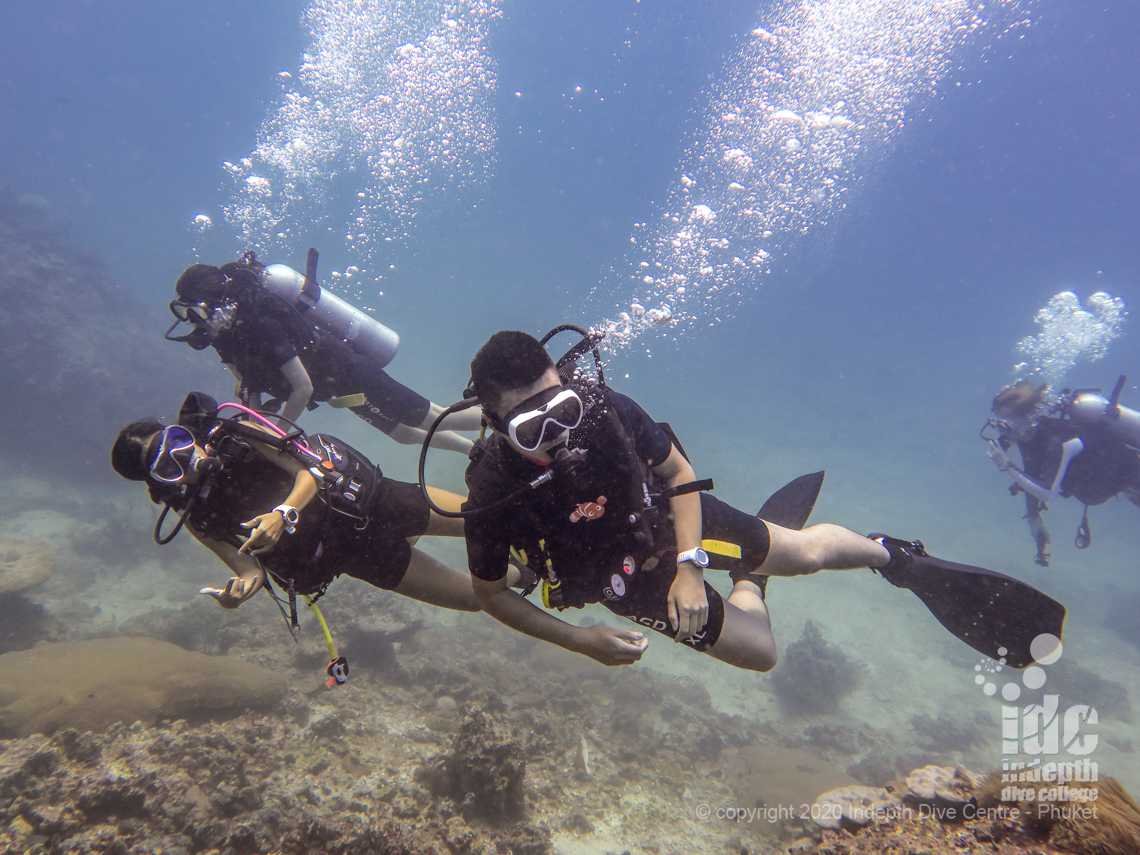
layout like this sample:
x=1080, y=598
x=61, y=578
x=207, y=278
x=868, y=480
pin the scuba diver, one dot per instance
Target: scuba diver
x=597, y=498
x=1076, y=444
x=280, y=334
x=296, y=510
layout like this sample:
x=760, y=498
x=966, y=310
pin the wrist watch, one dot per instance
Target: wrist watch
x=696, y=556
x=291, y=516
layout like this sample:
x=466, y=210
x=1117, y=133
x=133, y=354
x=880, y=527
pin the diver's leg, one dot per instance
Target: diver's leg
x=746, y=639
x=470, y=419
x=767, y=549
x=1033, y=508
x=408, y=435
x=819, y=547
x=401, y=413
x=431, y=581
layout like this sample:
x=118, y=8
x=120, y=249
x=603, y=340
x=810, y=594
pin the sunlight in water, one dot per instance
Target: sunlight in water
x=804, y=109
x=391, y=99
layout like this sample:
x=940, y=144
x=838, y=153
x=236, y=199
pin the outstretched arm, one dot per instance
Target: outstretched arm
x=248, y=576
x=605, y=644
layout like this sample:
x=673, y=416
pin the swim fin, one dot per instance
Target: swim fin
x=988, y=610
x=791, y=505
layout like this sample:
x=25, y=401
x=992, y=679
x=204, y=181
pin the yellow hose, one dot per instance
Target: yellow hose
x=329, y=643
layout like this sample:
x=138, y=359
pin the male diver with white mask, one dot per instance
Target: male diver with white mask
x=602, y=503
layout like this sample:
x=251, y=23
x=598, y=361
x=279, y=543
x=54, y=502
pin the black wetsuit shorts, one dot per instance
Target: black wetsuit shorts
x=380, y=553
x=389, y=402
x=740, y=544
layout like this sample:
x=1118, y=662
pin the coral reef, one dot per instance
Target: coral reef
x=24, y=622
x=247, y=788
x=200, y=626
x=1078, y=683
x=851, y=807
x=1124, y=615
x=1107, y=824
x=943, y=810
x=90, y=684
x=374, y=649
x=72, y=340
x=24, y=564
x=815, y=675
x=483, y=772
x=947, y=789
x=950, y=733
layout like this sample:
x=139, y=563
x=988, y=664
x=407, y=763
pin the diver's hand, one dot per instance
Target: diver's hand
x=612, y=646
x=688, y=603
x=997, y=454
x=267, y=529
x=235, y=592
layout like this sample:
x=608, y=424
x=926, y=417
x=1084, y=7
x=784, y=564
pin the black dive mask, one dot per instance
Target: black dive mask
x=198, y=337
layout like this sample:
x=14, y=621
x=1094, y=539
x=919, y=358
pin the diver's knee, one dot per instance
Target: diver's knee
x=405, y=435
x=762, y=660
x=814, y=548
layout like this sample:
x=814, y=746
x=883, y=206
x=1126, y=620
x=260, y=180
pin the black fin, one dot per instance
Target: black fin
x=985, y=609
x=791, y=505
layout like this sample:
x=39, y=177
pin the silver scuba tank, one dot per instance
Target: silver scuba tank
x=1088, y=409
x=364, y=333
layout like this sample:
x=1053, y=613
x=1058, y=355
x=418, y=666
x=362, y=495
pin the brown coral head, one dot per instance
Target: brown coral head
x=24, y=564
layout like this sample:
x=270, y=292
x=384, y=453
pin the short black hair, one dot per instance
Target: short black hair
x=509, y=360
x=128, y=451
x=201, y=283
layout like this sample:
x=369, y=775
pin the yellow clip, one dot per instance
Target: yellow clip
x=349, y=401
x=722, y=547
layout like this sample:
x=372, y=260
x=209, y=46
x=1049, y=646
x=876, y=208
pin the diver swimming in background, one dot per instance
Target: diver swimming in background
x=1076, y=444
x=312, y=508
x=600, y=501
x=280, y=334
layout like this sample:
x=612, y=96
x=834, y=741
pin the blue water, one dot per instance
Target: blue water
x=873, y=351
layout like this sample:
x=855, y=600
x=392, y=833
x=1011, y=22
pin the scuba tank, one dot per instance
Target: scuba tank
x=1088, y=408
x=364, y=333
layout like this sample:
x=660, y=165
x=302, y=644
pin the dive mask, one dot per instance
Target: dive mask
x=174, y=455
x=543, y=421
x=207, y=321
x=194, y=313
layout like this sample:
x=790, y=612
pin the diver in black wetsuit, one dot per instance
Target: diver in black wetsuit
x=267, y=509
x=599, y=500
x=1078, y=444
x=285, y=338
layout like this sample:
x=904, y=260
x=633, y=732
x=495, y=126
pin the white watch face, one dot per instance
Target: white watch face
x=697, y=556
